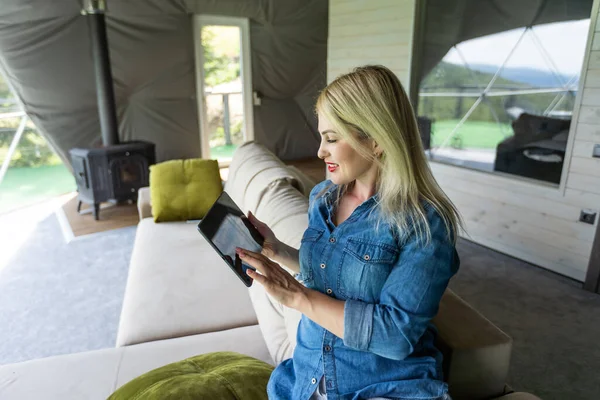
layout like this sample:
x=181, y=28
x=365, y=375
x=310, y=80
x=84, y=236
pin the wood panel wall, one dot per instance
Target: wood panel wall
x=370, y=32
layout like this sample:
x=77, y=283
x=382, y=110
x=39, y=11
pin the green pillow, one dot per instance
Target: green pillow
x=184, y=189
x=215, y=376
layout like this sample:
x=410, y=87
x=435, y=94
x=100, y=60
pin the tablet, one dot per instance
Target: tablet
x=226, y=227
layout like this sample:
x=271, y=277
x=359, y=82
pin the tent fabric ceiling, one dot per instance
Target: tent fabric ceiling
x=449, y=22
x=45, y=54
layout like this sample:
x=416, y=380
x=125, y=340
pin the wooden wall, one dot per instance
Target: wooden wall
x=370, y=32
x=529, y=220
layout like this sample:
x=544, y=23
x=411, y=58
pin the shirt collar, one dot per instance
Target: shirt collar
x=332, y=191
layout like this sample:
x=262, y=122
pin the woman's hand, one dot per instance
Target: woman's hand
x=271, y=246
x=282, y=286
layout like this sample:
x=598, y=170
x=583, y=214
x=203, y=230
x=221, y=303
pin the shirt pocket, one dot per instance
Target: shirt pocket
x=364, y=268
x=308, y=246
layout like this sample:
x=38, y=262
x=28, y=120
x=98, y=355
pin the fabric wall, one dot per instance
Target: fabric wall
x=45, y=55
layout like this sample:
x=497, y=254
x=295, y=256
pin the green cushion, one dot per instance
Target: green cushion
x=184, y=189
x=215, y=376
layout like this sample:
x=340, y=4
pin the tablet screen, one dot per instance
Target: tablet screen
x=226, y=227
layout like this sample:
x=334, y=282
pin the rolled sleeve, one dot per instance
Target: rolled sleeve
x=358, y=323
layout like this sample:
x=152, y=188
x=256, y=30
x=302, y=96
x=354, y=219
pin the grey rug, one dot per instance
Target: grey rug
x=554, y=323
x=58, y=298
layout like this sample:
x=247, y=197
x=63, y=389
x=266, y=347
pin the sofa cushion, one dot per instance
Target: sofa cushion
x=94, y=375
x=184, y=189
x=178, y=285
x=253, y=168
x=285, y=210
x=144, y=357
x=218, y=375
x=90, y=375
x=278, y=324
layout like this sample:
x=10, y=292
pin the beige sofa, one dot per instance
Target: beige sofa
x=182, y=300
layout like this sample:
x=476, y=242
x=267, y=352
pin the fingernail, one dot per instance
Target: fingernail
x=249, y=271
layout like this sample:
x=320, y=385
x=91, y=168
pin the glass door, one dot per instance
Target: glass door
x=223, y=85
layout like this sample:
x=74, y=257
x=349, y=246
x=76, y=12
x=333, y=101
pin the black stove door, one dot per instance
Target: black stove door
x=128, y=174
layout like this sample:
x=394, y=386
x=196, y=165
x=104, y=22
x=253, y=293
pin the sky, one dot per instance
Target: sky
x=564, y=41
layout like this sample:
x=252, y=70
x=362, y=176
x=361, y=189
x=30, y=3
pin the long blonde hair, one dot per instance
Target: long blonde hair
x=370, y=102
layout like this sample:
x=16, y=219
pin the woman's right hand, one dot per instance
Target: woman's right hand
x=271, y=246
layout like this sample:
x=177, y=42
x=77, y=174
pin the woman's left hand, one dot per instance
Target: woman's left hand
x=282, y=286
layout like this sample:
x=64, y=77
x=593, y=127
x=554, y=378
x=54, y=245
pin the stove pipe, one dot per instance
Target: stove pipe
x=94, y=9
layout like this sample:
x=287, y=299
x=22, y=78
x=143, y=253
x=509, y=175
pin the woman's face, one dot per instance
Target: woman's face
x=343, y=162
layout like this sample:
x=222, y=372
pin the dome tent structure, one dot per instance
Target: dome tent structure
x=444, y=24
x=45, y=54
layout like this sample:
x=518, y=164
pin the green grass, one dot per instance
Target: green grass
x=221, y=152
x=25, y=186
x=473, y=134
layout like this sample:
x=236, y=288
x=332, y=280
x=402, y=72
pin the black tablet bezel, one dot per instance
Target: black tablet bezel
x=212, y=220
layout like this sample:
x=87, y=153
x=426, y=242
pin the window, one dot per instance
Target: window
x=503, y=102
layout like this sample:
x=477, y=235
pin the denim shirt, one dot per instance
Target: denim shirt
x=391, y=287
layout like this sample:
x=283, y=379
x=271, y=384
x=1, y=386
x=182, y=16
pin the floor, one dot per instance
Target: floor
x=58, y=297
x=110, y=217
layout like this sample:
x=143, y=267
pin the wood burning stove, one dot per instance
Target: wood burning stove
x=111, y=172
x=116, y=170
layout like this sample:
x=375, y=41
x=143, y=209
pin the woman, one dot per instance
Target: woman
x=375, y=259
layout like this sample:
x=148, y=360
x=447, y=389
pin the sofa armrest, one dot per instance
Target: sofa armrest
x=476, y=352
x=143, y=203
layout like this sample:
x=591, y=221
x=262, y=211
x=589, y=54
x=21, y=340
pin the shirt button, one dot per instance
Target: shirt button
x=322, y=265
x=327, y=348
x=332, y=240
x=313, y=381
x=329, y=291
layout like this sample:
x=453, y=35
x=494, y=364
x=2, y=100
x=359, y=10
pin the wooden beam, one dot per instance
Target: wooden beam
x=417, y=53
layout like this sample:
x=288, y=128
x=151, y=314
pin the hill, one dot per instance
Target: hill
x=446, y=77
x=533, y=77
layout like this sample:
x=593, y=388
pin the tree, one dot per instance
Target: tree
x=219, y=65
x=32, y=150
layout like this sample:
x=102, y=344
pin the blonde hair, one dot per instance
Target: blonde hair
x=370, y=102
